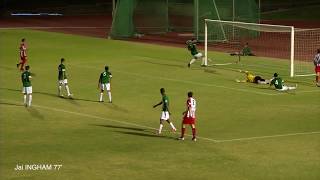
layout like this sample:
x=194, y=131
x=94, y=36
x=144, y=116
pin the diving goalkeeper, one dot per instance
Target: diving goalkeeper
x=191, y=45
x=251, y=78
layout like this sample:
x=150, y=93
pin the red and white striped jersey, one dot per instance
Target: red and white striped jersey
x=316, y=60
x=191, y=105
x=23, y=50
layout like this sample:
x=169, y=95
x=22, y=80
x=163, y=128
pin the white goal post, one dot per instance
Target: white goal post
x=276, y=41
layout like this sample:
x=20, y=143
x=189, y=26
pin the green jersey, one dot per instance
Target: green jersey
x=25, y=77
x=277, y=82
x=105, y=77
x=165, y=103
x=193, y=49
x=246, y=51
x=62, y=72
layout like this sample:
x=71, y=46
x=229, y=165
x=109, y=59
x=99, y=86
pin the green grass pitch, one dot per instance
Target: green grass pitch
x=245, y=131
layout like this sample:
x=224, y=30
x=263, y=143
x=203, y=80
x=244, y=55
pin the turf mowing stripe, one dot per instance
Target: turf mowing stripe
x=147, y=127
x=189, y=82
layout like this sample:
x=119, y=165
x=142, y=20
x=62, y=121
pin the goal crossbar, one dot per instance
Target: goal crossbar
x=262, y=27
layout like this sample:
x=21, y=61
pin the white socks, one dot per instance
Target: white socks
x=59, y=90
x=160, y=128
x=101, y=96
x=30, y=99
x=192, y=61
x=25, y=99
x=172, y=126
x=109, y=94
x=68, y=91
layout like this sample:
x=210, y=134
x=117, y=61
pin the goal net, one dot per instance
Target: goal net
x=271, y=47
x=145, y=17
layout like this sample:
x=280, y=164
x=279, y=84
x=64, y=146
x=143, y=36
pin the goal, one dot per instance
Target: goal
x=293, y=48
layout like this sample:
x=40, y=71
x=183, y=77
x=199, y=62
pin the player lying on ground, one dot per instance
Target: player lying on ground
x=251, y=78
x=316, y=63
x=165, y=114
x=278, y=84
x=189, y=117
x=27, y=88
x=23, y=54
x=246, y=51
x=62, y=79
x=104, y=83
x=192, y=47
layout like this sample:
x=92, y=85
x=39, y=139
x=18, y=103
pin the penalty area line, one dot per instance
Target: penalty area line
x=147, y=127
x=268, y=137
x=102, y=118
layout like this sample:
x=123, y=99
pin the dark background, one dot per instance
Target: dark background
x=104, y=7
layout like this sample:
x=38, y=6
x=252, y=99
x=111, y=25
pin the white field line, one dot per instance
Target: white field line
x=147, y=127
x=268, y=137
x=311, y=91
x=190, y=82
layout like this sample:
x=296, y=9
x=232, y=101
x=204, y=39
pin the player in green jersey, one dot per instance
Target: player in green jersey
x=27, y=88
x=191, y=45
x=62, y=79
x=104, y=83
x=278, y=84
x=246, y=51
x=165, y=115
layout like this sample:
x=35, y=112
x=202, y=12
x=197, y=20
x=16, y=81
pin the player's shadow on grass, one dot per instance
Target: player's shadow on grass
x=115, y=107
x=71, y=100
x=146, y=135
x=119, y=127
x=211, y=71
x=133, y=131
x=81, y=99
x=35, y=113
x=11, y=104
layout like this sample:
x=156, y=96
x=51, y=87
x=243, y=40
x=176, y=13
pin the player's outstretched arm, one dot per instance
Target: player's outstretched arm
x=157, y=104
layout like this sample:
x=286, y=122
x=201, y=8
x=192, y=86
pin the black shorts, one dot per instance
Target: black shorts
x=257, y=78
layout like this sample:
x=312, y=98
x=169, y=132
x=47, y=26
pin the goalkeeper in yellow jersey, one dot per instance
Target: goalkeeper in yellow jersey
x=251, y=78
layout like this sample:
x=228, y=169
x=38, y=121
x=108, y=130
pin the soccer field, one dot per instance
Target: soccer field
x=245, y=131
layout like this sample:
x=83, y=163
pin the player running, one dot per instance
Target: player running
x=278, y=84
x=316, y=63
x=165, y=115
x=104, y=83
x=191, y=45
x=23, y=54
x=251, y=78
x=27, y=88
x=62, y=79
x=189, y=117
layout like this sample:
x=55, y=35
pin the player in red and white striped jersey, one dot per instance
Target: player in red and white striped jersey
x=316, y=63
x=23, y=54
x=189, y=117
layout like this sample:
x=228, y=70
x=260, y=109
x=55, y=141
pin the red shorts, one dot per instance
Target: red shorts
x=188, y=120
x=23, y=59
x=317, y=69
